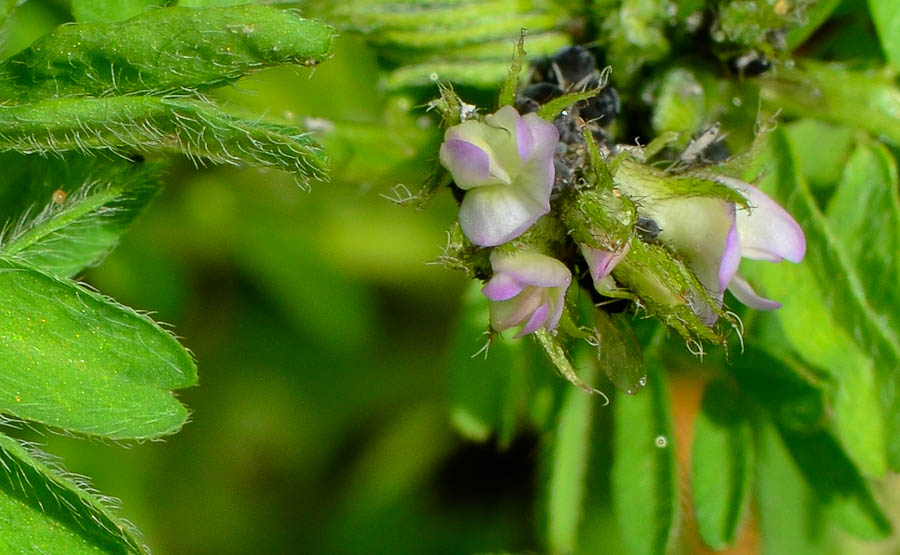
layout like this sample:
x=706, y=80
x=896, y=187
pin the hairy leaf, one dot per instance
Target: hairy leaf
x=91, y=11
x=74, y=360
x=163, y=51
x=127, y=123
x=50, y=512
x=72, y=210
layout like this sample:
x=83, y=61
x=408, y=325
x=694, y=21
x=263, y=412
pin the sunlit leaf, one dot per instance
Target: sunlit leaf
x=162, y=51
x=74, y=360
x=90, y=11
x=44, y=510
x=70, y=212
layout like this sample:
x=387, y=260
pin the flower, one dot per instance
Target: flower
x=712, y=235
x=506, y=166
x=765, y=232
x=601, y=262
x=527, y=289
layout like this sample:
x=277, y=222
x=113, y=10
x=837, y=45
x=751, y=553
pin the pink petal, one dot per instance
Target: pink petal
x=601, y=262
x=502, y=287
x=545, y=136
x=532, y=269
x=469, y=165
x=731, y=257
x=767, y=231
x=742, y=291
x=538, y=319
x=516, y=311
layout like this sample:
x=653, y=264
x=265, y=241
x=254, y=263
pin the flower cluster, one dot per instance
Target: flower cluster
x=672, y=243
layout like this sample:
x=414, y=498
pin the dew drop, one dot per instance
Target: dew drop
x=736, y=101
x=433, y=76
x=643, y=381
x=661, y=441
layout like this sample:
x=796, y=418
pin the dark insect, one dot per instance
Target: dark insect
x=647, y=229
x=750, y=64
x=573, y=67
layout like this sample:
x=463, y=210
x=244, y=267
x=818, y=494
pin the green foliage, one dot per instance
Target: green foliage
x=886, y=16
x=163, y=51
x=128, y=78
x=721, y=465
x=62, y=233
x=645, y=488
x=77, y=361
x=47, y=510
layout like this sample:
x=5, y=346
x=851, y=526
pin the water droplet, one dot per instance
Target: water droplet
x=661, y=441
x=736, y=101
x=790, y=63
x=433, y=76
x=643, y=381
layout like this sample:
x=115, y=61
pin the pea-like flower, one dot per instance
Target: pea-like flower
x=505, y=165
x=765, y=232
x=527, y=290
x=602, y=262
x=712, y=235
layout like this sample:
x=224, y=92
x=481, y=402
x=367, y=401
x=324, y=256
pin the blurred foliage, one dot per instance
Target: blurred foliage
x=340, y=409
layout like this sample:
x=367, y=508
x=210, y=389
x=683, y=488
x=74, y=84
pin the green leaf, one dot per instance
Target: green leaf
x=790, y=517
x=567, y=462
x=795, y=407
x=856, y=337
x=644, y=481
x=485, y=373
x=74, y=209
x=864, y=216
x=552, y=109
x=92, y=11
x=43, y=510
x=721, y=465
x=198, y=129
x=844, y=494
x=864, y=99
x=163, y=51
x=886, y=15
x=810, y=139
x=74, y=360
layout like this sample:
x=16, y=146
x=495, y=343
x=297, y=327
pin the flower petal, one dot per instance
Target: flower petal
x=538, y=319
x=698, y=228
x=743, y=292
x=601, y=262
x=767, y=231
x=491, y=216
x=545, y=136
x=516, y=311
x=502, y=287
x=469, y=164
x=531, y=268
x=508, y=136
x=731, y=257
